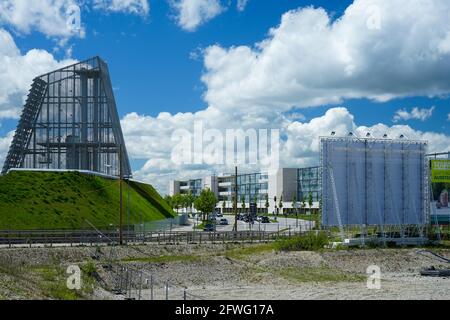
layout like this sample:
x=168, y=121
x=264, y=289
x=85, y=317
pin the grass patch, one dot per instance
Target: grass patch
x=52, y=282
x=319, y=274
x=240, y=253
x=310, y=242
x=165, y=259
x=64, y=200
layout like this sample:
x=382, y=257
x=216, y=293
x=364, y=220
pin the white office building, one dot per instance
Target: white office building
x=301, y=185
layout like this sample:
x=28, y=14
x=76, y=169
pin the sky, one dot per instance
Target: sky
x=304, y=68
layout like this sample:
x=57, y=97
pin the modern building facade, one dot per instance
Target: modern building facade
x=70, y=121
x=288, y=184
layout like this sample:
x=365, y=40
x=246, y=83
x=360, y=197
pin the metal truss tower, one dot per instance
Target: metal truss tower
x=70, y=121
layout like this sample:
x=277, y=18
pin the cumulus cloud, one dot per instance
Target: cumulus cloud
x=415, y=114
x=150, y=138
x=4, y=146
x=190, y=14
x=17, y=72
x=54, y=18
x=139, y=7
x=311, y=59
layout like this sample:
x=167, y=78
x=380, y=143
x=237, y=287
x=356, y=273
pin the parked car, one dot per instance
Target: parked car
x=265, y=220
x=219, y=215
x=258, y=219
x=223, y=222
x=210, y=227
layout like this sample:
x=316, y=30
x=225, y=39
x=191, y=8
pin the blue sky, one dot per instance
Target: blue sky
x=157, y=65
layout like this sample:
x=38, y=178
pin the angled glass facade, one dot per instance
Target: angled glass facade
x=70, y=121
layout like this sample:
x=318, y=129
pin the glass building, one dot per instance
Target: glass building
x=70, y=121
x=309, y=184
x=194, y=186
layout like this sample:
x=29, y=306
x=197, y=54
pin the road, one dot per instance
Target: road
x=281, y=225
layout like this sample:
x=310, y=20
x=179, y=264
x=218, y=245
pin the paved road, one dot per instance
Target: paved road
x=282, y=224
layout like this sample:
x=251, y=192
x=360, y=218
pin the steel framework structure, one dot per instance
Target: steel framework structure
x=382, y=182
x=70, y=121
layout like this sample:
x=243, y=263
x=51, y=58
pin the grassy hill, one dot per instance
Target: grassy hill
x=50, y=200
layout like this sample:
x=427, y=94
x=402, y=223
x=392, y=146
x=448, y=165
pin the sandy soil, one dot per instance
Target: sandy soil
x=216, y=274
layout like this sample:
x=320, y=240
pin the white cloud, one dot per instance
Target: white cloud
x=311, y=60
x=415, y=114
x=241, y=4
x=4, y=146
x=139, y=7
x=53, y=18
x=150, y=138
x=190, y=14
x=17, y=72
x=448, y=118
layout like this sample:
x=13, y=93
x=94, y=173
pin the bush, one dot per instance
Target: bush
x=310, y=242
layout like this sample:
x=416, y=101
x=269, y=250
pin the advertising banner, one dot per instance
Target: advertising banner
x=440, y=171
x=440, y=186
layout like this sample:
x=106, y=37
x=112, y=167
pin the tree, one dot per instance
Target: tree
x=294, y=205
x=189, y=198
x=275, y=204
x=280, y=204
x=267, y=205
x=176, y=201
x=310, y=201
x=169, y=201
x=243, y=202
x=294, y=202
x=224, y=206
x=205, y=203
x=303, y=205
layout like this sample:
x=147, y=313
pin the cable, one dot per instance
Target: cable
x=434, y=254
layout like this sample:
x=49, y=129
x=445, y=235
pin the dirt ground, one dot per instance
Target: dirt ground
x=222, y=272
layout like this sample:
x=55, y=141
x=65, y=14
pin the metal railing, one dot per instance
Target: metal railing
x=91, y=237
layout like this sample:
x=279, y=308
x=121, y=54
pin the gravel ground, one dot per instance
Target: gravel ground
x=215, y=274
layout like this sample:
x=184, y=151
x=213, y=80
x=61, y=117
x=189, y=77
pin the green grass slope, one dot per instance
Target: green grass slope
x=50, y=200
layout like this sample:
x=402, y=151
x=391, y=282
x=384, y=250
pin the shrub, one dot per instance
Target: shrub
x=310, y=242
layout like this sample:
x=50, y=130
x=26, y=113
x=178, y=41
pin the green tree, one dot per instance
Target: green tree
x=205, y=203
x=310, y=201
x=275, y=203
x=177, y=201
x=224, y=206
x=303, y=205
x=189, y=198
x=294, y=202
x=169, y=201
x=280, y=203
x=267, y=205
x=243, y=203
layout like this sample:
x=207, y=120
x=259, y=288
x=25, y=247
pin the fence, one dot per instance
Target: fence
x=90, y=237
x=137, y=284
